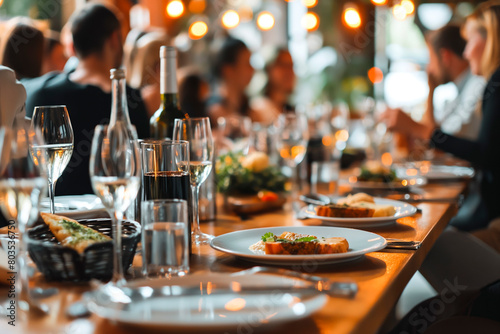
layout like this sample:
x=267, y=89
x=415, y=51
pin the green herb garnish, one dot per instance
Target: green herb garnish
x=268, y=237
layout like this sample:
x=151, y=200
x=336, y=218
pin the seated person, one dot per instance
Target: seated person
x=86, y=90
x=460, y=117
x=232, y=72
x=21, y=48
x=193, y=92
x=280, y=84
x=54, y=57
x=483, y=52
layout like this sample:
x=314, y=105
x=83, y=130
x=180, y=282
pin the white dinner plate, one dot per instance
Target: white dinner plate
x=238, y=243
x=149, y=305
x=75, y=205
x=402, y=210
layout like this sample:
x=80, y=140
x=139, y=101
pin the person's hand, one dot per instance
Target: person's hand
x=398, y=121
x=432, y=82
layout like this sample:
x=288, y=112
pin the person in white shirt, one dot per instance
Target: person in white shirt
x=462, y=116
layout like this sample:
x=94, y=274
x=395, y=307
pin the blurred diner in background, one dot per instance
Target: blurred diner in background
x=175, y=143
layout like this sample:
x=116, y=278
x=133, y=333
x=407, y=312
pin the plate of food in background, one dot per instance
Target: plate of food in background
x=376, y=176
x=360, y=210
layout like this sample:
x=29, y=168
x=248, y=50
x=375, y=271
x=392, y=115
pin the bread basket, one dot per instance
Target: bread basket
x=61, y=263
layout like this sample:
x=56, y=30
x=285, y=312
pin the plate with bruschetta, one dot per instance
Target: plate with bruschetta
x=298, y=245
x=360, y=210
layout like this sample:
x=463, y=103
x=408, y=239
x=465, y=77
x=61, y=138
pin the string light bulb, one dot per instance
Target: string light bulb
x=310, y=21
x=197, y=30
x=352, y=18
x=230, y=19
x=175, y=9
x=408, y=6
x=379, y=2
x=265, y=21
x=399, y=12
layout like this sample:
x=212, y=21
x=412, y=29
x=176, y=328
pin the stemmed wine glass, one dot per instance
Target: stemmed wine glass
x=292, y=136
x=114, y=173
x=201, y=149
x=55, y=126
x=22, y=184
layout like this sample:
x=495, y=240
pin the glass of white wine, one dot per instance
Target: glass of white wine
x=115, y=176
x=198, y=133
x=292, y=136
x=22, y=184
x=54, y=124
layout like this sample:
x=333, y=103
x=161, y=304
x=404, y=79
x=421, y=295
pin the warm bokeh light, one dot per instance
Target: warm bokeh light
x=175, y=8
x=310, y=21
x=1, y=3
x=327, y=140
x=265, y=21
x=386, y=159
x=197, y=6
x=342, y=135
x=375, y=75
x=246, y=13
x=379, y=2
x=198, y=29
x=352, y=18
x=236, y=304
x=309, y=3
x=399, y=12
x=230, y=19
x=408, y=6
x=411, y=172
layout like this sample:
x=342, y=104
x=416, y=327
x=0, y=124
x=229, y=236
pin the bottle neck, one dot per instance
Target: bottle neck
x=168, y=76
x=119, y=105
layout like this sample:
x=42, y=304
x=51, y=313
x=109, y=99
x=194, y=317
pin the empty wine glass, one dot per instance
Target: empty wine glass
x=114, y=173
x=201, y=149
x=55, y=126
x=292, y=136
x=233, y=134
x=22, y=183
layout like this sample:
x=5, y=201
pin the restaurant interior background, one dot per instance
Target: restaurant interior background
x=361, y=53
x=343, y=50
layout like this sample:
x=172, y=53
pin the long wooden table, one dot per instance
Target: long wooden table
x=381, y=276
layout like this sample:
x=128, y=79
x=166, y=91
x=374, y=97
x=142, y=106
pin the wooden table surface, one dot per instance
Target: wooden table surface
x=381, y=276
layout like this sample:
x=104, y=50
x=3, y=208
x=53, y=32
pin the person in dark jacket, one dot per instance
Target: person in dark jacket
x=86, y=90
x=483, y=53
x=464, y=268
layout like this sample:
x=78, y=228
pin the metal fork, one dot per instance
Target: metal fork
x=334, y=289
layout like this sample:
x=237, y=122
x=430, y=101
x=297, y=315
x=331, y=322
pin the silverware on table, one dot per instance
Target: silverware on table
x=402, y=244
x=319, y=284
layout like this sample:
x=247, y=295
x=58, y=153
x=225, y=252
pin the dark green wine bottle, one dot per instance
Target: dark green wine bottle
x=162, y=122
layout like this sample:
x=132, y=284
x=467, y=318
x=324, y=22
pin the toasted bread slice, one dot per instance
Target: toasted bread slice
x=356, y=198
x=344, y=211
x=322, y=246
x=71, y=233
x=379, y=209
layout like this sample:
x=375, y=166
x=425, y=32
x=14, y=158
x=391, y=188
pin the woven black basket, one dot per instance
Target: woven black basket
x=61, y=263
